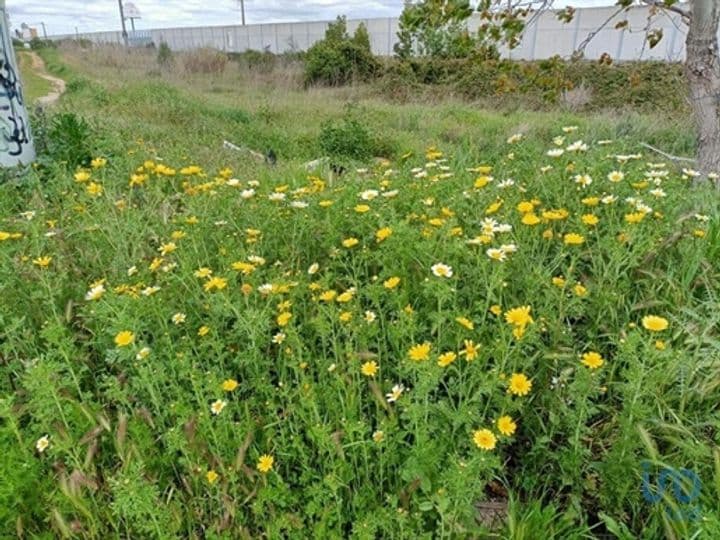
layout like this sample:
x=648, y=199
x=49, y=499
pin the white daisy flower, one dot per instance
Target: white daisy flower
x=395, y=393
x=442, y=270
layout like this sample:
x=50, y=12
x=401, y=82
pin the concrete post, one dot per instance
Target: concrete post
x=621, y=40
x=122, y=21
x=16, y=144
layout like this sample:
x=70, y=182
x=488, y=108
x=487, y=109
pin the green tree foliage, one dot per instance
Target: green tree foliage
x=339, y=59
x=435, y=28
x=439, y=29
x=362, y=38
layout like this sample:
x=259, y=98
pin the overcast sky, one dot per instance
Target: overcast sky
x=62, y=16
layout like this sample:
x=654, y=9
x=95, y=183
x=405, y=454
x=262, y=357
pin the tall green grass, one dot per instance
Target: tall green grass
x=134, y=449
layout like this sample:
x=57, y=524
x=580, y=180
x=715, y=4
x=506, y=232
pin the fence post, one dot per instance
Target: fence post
x=671, y=45
x=16, y=144
x=533, y=44
x=620, y=45
x=576, y=30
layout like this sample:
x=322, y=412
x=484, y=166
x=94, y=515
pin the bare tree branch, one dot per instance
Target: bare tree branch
x=666, y=155
x=537, y=11
x=674, y=8
x=647, y=31
x=581, y=48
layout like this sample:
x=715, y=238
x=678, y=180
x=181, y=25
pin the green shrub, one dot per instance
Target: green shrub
x=77, y=84
x=399, y=82
x=36, y=43
x=350, y=138
x=542, y=83
x=165, y=55
x=339, y=59
x=69, y=139
x=262, y=61
x=266, y=61
x=20, y=493
x=361, y=38
x=437, y=71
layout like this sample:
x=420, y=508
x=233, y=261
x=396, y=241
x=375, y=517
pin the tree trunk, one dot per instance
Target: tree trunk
x=702, y=68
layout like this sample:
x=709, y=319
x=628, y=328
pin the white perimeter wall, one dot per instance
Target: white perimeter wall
x=544, y=38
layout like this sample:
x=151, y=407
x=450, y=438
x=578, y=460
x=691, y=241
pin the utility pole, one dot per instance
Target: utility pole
x=17, y=148
x=242, y=11
x=122, y=21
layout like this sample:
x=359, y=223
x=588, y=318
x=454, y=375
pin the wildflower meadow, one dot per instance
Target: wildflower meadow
x=460, y=340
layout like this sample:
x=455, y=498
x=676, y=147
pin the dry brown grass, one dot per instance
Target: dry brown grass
x=112, y=56
x=576, y=99
x=202, y=69
x=205, y=61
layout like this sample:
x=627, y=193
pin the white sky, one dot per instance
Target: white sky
x=62, y=16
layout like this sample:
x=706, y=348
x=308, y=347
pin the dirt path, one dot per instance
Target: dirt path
x=38, y=67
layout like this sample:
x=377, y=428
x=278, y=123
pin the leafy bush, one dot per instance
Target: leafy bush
x=339, y=59
x=206, y=61
x=351, y=138
x=644, y=85
x=164, y=55
x=399, y=82
x=617, y=85
x=262, y=61
x=437, y=71
x=348, y=138
x=20, y=491
x=285, y=65
x=69, y=139
x=37, y=44
x=361, y=38
x=78, y=84
x=65, y=140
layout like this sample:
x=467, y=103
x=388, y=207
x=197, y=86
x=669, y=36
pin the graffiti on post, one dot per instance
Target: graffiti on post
x=15, y=133
x=15, y=138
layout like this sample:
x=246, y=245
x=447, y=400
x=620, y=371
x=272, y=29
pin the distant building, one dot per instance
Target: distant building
x=27, y=33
